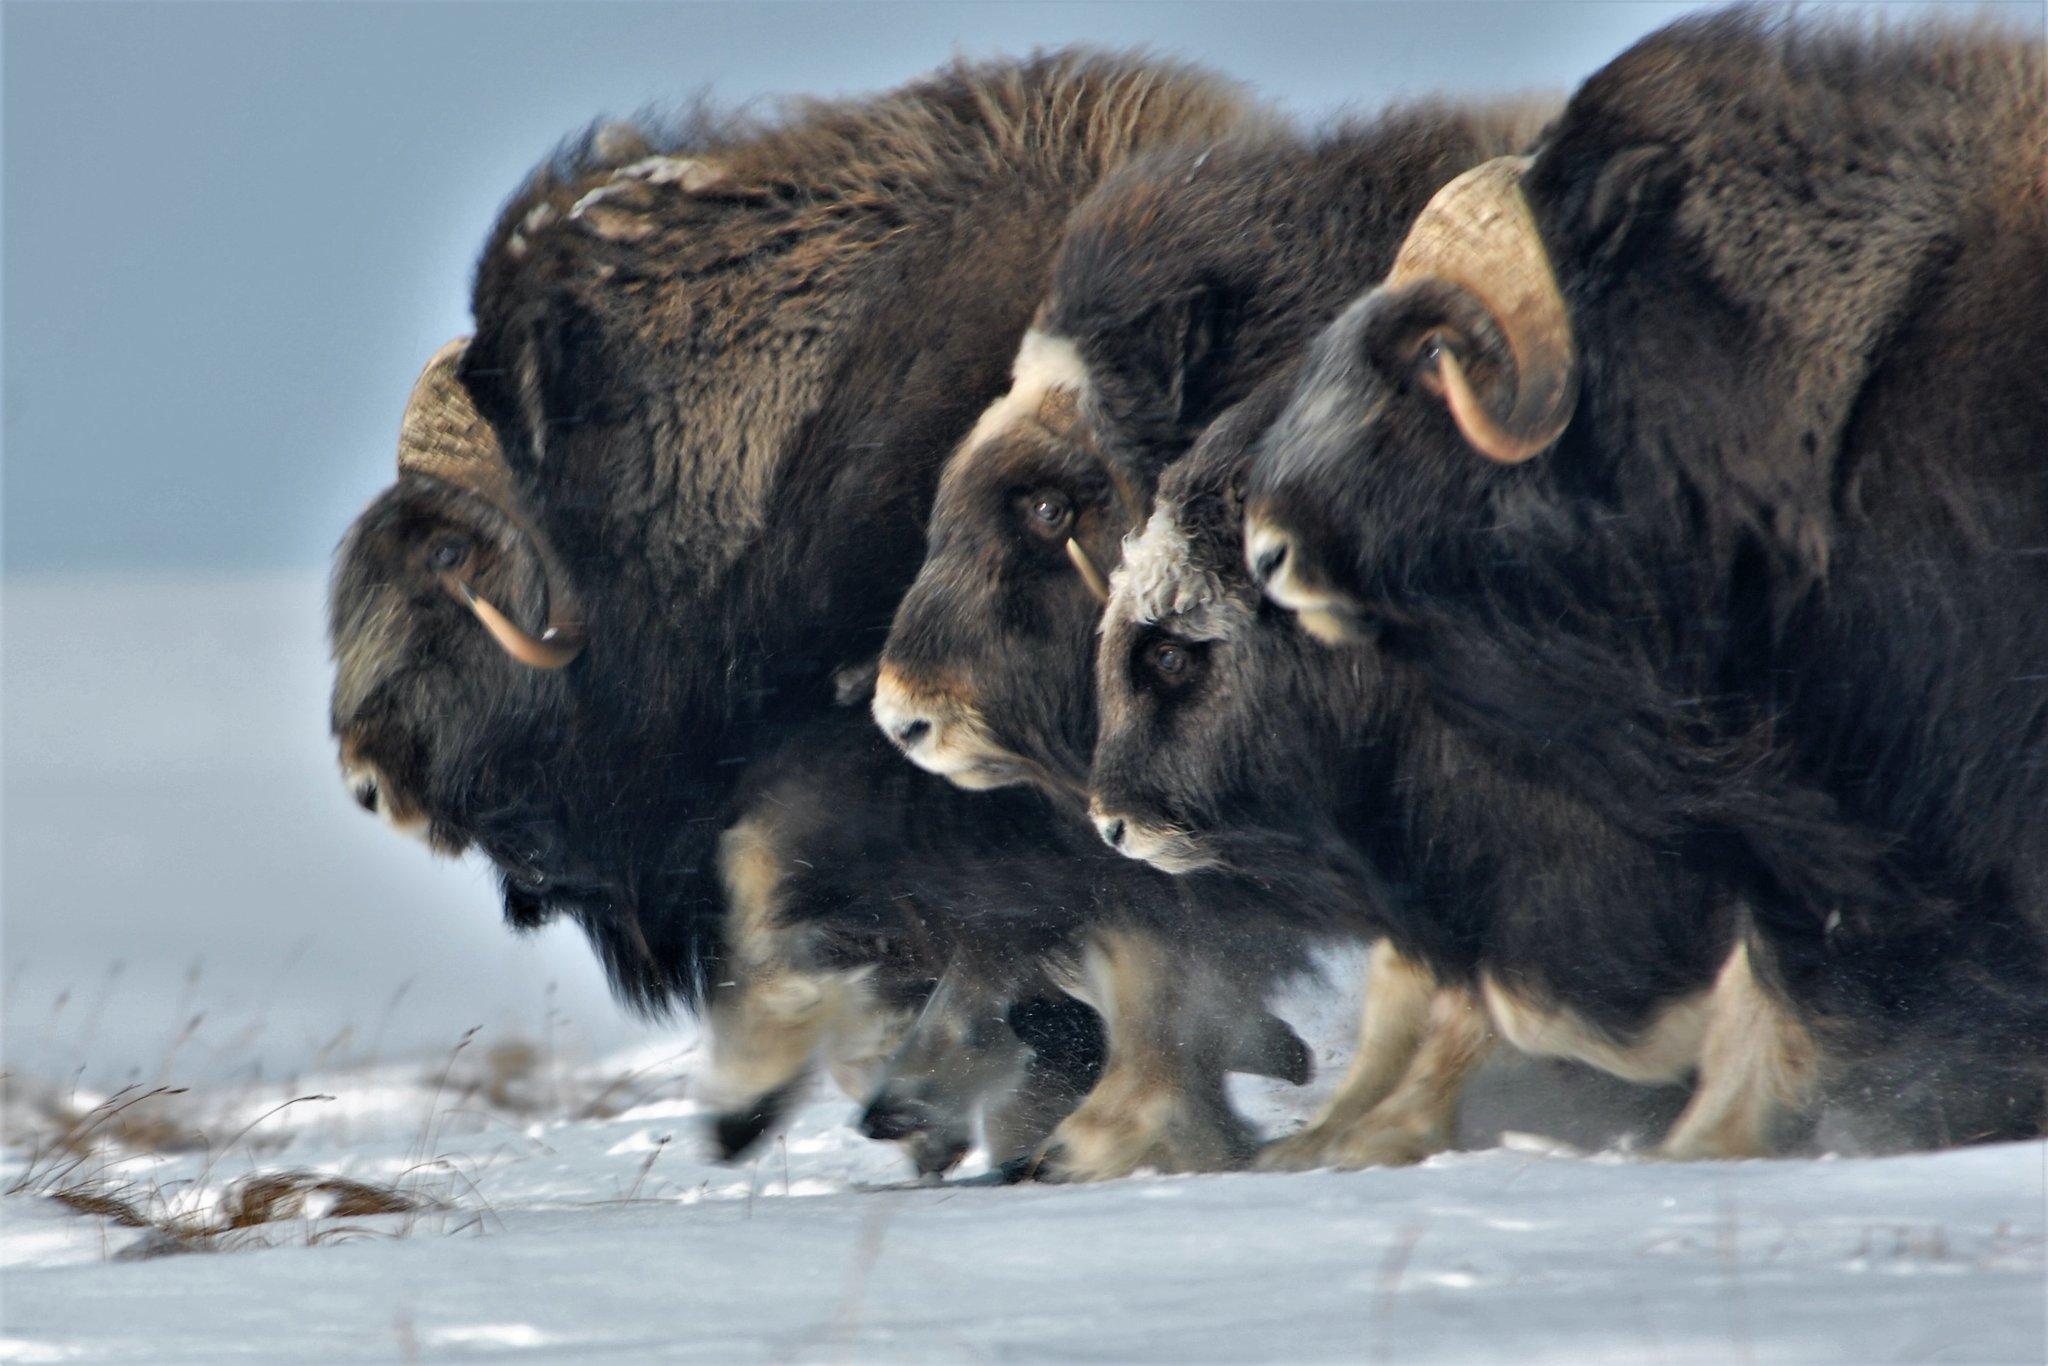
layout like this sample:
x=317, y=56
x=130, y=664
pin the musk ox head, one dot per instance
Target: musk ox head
x=984, y=677
x=1465, y=352
x=454, y=720
x=418, y=632
x=1145, y=334
x=1225, y=733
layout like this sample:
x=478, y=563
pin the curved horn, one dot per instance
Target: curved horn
x=1477, y=233
x=551, y=649
x=444, y=437
x=1090, y=575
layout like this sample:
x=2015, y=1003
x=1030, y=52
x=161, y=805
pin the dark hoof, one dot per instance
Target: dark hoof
x=888, y=1122
x=736, y=1131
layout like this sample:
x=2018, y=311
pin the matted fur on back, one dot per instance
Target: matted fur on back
x=747, y=258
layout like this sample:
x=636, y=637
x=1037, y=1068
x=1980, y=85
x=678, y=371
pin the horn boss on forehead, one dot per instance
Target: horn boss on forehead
x=1478, y=235
x=443, y=437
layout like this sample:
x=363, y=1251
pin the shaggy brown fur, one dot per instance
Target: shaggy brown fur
x=724, y=360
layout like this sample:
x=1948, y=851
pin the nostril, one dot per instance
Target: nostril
x=366, y=796
x=911, y=733
x=1269, y=561
x=1113, y=832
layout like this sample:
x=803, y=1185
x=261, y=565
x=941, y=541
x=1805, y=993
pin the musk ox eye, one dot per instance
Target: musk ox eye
x=1171, y=662
x=1048, y=512
x=450, y=552
x=1428, y=364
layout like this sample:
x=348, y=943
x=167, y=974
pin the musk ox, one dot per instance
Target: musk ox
x=1231, y=740
x=718, y=365
x=1180, y=284
x=1695, y=468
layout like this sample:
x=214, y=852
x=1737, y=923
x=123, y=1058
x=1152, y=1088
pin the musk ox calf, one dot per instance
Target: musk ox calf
x=1695, y=468
x=718, y=365
x=1185, y=280
x=1231, y=741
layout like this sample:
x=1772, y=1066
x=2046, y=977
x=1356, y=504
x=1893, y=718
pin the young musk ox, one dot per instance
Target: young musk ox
x=1230, y=740
x=718, y=366
x=1695, y=467
x=1187, y=279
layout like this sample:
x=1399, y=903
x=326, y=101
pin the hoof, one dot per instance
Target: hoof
x=1316, y=1148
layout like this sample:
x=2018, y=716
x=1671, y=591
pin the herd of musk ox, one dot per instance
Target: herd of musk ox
x=969, y=589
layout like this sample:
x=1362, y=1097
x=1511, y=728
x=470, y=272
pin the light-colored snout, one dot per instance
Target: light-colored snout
x=375, y=793
x=941, y=735
x=1167, y=849
x=1277, y=566
x=903, y=717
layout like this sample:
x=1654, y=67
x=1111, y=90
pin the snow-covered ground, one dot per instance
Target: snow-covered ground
x=542, y=1191
x=544, y=1236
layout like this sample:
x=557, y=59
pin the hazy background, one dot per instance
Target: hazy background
x=232, y=234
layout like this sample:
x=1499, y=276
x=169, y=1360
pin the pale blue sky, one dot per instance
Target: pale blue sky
x=233, y=232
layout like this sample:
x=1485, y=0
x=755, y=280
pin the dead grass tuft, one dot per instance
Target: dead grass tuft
x=267, y=1197
x=84, y=1201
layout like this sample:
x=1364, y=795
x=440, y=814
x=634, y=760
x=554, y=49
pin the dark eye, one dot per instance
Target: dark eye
x=1048, y=512
x=450, y=552
x=1171, y=662
x=1429, y=357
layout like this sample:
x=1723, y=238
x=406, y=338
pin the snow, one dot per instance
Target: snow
x=615, y=1237
x=566, y=1208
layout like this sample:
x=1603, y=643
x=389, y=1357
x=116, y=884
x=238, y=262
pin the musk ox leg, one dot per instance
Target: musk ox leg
x=1390, y=1029
x=772, y=1019
x=1271, y=1048
x=959, y=1055
x=1160, y=1104
x=1419, y=1044
x=1756, y=1063
x=1017, y=1125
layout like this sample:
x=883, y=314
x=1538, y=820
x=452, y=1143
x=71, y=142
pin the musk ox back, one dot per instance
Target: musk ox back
x=1699, y=460
x=721, y=361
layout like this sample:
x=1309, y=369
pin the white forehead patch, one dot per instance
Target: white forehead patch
x=1044, y=363
x=1161, y=580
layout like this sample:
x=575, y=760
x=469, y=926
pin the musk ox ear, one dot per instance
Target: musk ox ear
x=1163, y=375
x=1631, y=193
x=540, y=372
